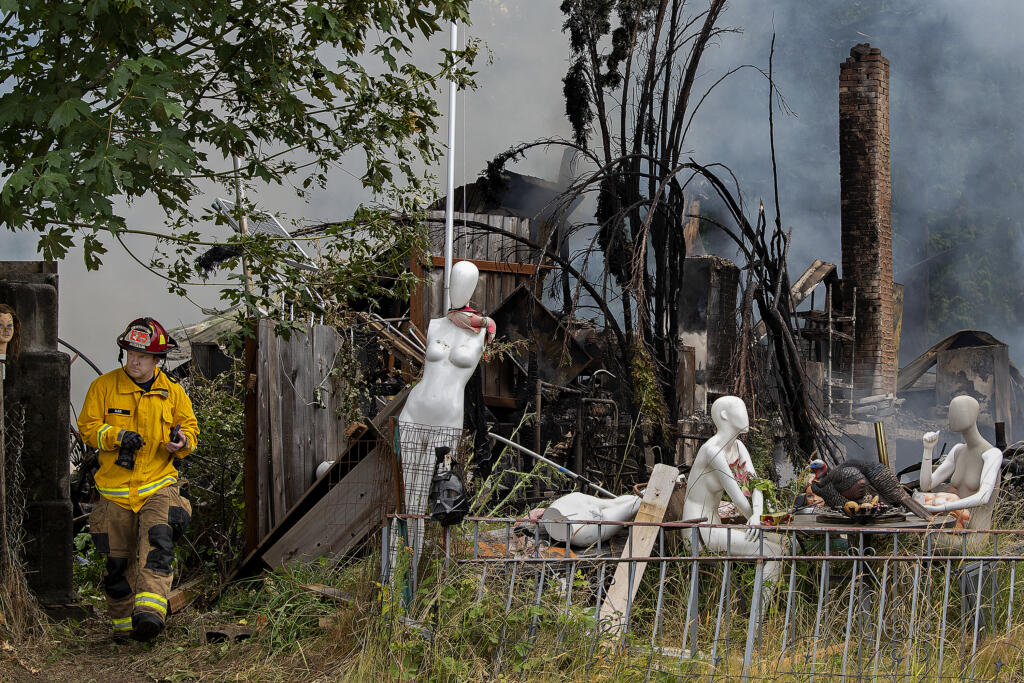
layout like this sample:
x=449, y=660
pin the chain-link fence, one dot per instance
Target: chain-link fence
x=18, y=612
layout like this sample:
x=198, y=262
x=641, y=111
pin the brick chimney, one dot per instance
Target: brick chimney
x=866, y=221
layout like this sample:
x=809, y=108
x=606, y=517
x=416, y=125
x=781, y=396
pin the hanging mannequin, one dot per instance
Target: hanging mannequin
x=971, y=470
x=582, y=506
x=723, y=466
x=433, y=413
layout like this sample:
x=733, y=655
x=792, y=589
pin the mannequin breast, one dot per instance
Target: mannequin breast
x=704, y=493
x=966, y=478
x=451, y=356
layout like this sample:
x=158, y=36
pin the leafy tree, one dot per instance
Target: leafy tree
x=108, y=102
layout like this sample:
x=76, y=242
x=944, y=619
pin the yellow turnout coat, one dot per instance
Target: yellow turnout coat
x=114, y=405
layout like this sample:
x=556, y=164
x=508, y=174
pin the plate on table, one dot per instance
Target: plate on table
x=866, y=514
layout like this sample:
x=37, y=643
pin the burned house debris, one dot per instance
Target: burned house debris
x=567, y=377
x=557, y=406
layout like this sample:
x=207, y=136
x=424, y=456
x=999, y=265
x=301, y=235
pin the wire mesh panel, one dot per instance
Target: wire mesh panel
x=16, y=605
x=847, y=605
x=343, y=508
x=420, y=449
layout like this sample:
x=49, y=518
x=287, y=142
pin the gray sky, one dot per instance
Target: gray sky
x=519, y=99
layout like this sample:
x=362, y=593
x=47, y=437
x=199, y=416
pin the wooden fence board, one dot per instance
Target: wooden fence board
x=263, y=361
x=302, y=436
x=276, y=480
x=286, y=432
x=652, y=509
x=328, y=425
x=341, y=519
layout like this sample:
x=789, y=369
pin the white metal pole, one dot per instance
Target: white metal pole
x=243, y=221
x=449, y=203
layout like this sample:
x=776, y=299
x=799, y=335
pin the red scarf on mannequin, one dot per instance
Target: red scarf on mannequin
x=470, y=319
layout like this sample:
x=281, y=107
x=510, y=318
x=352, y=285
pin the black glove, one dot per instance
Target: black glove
x=132, y=441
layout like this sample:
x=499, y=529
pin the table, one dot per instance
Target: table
x=807, y=522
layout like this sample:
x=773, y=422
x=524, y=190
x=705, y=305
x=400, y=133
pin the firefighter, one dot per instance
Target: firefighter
x=140, y=420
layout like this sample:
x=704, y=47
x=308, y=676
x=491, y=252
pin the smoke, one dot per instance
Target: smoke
x=955, y=103
x=956, y=98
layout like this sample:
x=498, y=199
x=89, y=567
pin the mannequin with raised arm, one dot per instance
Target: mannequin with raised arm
x=723, y=467
x=969, y=475
x=433, y=413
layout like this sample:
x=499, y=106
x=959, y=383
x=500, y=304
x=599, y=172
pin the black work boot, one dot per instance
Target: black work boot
x=146, y=626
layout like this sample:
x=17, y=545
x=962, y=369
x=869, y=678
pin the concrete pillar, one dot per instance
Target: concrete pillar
x=39, y=380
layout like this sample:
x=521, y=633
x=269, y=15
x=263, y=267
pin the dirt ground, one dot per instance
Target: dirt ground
x=86, y=653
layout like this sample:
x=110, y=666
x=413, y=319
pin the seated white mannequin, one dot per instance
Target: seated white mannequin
x=436, y=401
x=711, y=476
x=971, y=468
x=585, y=507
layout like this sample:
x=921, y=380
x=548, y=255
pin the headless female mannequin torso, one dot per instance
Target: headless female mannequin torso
x=451, y=356
x=433, y=413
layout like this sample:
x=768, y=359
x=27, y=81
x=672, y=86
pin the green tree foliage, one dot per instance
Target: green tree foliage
x=108, y=102
x=214, y=475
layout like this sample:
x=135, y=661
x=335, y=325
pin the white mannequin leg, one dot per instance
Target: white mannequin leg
x=734, y=541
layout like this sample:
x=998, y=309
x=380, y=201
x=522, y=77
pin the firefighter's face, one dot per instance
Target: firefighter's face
x=140, y=366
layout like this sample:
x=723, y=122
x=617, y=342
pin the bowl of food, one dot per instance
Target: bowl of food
x=863, y=513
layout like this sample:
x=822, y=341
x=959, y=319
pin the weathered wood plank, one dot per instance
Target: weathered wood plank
x=686, y=379
x=328, y=434
x=510, y=250
x=264, y=365
x=277, y=412
x=652, y=509
x=493, y=242
x=523, y=253
x=493, y=266
x=285, y=432
x=251, y=478
x=341, y=519
x=307, y=376
x=337, y=441
x=417, y=302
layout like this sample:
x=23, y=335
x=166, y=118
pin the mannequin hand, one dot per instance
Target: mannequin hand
x=752, y=531
x=935, y=509
x=929, y=440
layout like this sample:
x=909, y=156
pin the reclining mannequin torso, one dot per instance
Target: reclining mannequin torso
x=583, y=506
x=433, y=413
x=972, y=467
x=714, y=473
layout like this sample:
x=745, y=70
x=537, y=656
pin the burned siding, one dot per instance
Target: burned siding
x=707, y=301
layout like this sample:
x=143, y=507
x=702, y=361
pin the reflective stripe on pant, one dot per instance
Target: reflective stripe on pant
x=140, y=551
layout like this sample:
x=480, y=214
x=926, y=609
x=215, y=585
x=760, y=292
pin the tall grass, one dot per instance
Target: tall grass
x=524, y=622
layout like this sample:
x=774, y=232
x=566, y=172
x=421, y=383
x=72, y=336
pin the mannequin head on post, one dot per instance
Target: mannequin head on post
x=729, y=414
x=963, y=413
x=462, y=284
